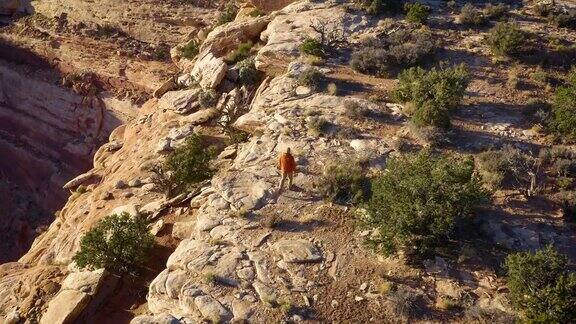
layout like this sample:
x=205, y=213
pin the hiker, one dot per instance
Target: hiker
x=287, y=167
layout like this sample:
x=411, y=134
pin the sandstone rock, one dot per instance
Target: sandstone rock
x=201, y=116
x=158, y=319
x=266, y=294
x=241, y=310
x=211, y=309
x=65, y=307
x=85, y=281
x=164, y=145
x=181, y=102
x=209, y=70
x=135, y=183
x=79, y=180
x=157, y=227
x=165, y=87
x=226, y=38
x=152, y=207
x=130, y=209
x=297, y=251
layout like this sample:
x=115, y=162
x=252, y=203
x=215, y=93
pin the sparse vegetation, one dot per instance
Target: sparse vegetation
x=379, y=7
x=508, y=165
x=241, y=53
x=119, y=243
x=312, y=46
x=496, y=12
x=470, y=15
x=355, y=110
x=505, y=39
x=344, y=182
x=228, y=13
x=541, y=286
x=407, y=304
x=190, y=50
x=311, y=77
x=317, y=125
x=417, y=13
x=403, y=48
x=417, y=202
x=434, y=94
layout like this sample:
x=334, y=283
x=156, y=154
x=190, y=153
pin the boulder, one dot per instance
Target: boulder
x=79, y=180
x=158, y=319
x=130, y=209
x=65, y=307
x=226, y=38
x=165, y=87
x=84, y=281
x=209, y=70
x=211, y=309
x=181, y=102
x=297, y=251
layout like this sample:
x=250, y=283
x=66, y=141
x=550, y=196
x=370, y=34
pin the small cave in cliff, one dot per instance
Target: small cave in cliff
x=48, y=135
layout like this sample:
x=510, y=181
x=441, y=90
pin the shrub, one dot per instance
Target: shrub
x=344, y=182
x=312, y=46
x=505, y=39
x=311, y=77
x=470, y=15
x=241, y=53
x=563, y=119
x=228, y=14
x=506, y=165
x=119, y=243
x=433, y=93
x=403, y=48
x=544, y=9
x=407, y=304
x=207, y=98
x=190, y=50
x=247, y=73
x=355, y=110
x=189, y=164
x=418, y=200
x=496, y=11
x=417, y=13
x=378, y=7
x=317, y=125
x=541, y=286
x=565, y=20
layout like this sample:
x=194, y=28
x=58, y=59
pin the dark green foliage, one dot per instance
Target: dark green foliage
x=119, y=243
x=417, y=13
x=312, y=46
x=228, y=14
x=189, y=164
x=563, y=119
x=207, y=98
x=379, y=7
x=404, y=48
x=541, y=286
x=311, y=77
x=190, y=50
x=247, y=73
x=505, y=39
x=241, y=53
x=433, y=93
x=418, y=201
x=564, y=19
x=344, y=182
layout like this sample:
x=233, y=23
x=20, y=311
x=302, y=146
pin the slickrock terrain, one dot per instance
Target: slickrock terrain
x=98, y=94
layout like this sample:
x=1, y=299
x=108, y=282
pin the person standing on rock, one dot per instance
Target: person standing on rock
x=287, y=167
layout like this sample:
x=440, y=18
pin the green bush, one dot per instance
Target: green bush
x=505, y=39
x=312, y=46
x=470, y=15
x=228, y=14
x=378, y=7
x=541, y=286
x=495, y=12
x=418, y=200
x=247, y=73
x=241, y=53
x=344, y=182
x=311, y=77
x=207, y=98
x=433, y=93
x=417, y=13
x=317, y=125
x=119, y=243
x=507, y=165
x=189, y=164
x=563, y=119
x=190, y=50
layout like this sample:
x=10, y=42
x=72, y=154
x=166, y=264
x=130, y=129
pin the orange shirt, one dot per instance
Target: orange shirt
x=287, y=163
